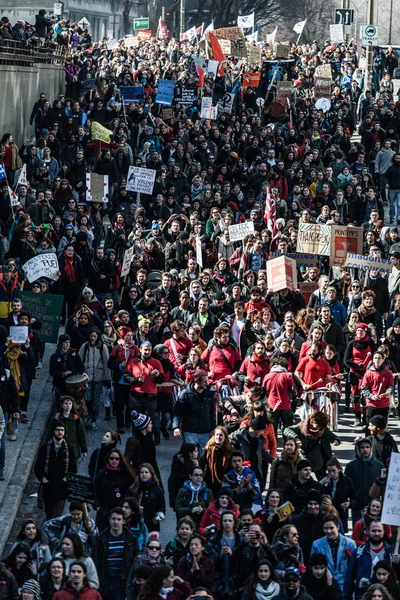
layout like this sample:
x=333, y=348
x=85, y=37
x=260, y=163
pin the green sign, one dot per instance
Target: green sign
x=46, y=308
x=142, y=23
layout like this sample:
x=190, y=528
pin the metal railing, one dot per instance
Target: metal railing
x=27, y=54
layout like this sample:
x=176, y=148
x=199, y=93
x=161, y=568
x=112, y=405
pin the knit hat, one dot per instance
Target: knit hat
x=198, y=374
x=302, y=464
x=33, y=587
x=396, y=322
x=314, y=496
x=378, y=420
x=258, y=423
x=64, y=337
x=140, y=421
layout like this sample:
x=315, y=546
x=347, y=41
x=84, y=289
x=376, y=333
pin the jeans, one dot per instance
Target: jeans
x=200, y=439
x=3, y=444
x=394, y=204
x=93, y=395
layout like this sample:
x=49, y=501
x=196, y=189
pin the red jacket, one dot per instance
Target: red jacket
x=69, y=593
x=218, y=359
x=254, y=368
x=142, y=368
x=212, y=516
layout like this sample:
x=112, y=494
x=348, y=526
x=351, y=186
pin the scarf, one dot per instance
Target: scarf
x=69, y=269
x=307, y=432
x=263, y=592
x=366, y=312
x=13, y=354
x=49, y=446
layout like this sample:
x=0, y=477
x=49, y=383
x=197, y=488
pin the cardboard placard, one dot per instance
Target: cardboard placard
x=238, y=232
x=314, y=239
x=369, y=263
x=391, y=502
x=345, y=240
x=281, y=274
x=80, y=487
x=141, y=180
x=251, y=79
x=42, y=265
x=46, y=308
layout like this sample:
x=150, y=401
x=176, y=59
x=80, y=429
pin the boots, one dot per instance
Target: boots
x=108, y=413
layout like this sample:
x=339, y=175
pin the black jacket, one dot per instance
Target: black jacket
x=194, y=412
x=100, y=555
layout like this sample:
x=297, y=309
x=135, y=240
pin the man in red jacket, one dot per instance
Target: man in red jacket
x=377, y=386
x=143, y=373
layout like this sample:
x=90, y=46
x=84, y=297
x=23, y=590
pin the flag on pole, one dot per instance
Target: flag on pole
x=271, y=36
x=163, y=31
x=270, y=213
x=298, y=28
x=252, y=37
x=22, y=180
x=246, y=21
x=217, y=52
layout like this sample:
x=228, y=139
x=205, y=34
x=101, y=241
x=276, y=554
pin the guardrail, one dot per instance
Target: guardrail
x=25, y=55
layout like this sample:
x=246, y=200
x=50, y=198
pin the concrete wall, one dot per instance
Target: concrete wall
x=20, y=89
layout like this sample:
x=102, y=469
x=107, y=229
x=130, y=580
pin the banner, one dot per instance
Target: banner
x=345, y=240
x=165, y=92
x=132, y=93
x=246, y=21
x=251, y=79
x=238, y=232
x=254, y=55
x=126, y=264
x=206, y=106
x=101, y=133
x=314, y=239
x=141, y=180
x=307, y=290
x=281, y=274
x=391, y=506
x=46, y=308
x=368, y=263
x=42, y=265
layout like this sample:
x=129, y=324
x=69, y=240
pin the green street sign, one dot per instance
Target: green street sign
x=141, y=23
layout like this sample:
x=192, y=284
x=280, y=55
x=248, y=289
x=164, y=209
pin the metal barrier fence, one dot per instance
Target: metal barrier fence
x=25, y=55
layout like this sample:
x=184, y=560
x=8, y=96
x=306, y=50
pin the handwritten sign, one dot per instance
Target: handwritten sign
x=46, y=308
x=368, y=263
x=19, y=334
x=141, y=180
x=43, y=265
x=281, y=274
x=238, y=232
x=80, y=487
x=345, y=240
x=391, y=502
x=126, y=265
x=314, y=239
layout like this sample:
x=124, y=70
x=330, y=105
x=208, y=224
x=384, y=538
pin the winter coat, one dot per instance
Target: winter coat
x=310, y=528
x=188, y=498
x=363, y=474
x=212, y=516
x=100, y=556
x=346, y=546
x=95, y=360
x=69, y=593
x=75, y=434
x=194, y=412
x=360, y=568
x=296, y=492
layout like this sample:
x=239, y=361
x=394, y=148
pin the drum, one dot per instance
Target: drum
x=77, y=386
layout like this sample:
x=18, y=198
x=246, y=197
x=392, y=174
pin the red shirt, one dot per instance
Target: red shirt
x=313, y=370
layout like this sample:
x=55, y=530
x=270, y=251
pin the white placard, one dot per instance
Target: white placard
x=126, y=265
x=19, y=334
x=212, y=68
x=336, y=34
x=206, y=106
x=391, y=503
x=199, y=254
x=238, y=232
x=43, y=265
x=141, y=180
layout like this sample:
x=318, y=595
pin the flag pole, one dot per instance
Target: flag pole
x=302, y=29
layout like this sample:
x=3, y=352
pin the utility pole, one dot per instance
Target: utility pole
x=368, y=61
x=182, y=20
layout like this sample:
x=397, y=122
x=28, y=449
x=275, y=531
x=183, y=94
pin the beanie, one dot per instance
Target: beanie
x=140, y=421
x=302, y=464
x=64, y=337
x=33, y=587
x=258, y=423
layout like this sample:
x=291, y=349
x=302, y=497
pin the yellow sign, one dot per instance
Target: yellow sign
x=100, y=133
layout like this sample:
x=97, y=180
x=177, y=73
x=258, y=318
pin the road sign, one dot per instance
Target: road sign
x=370, y=35
x=344, y=16
x=142, y=23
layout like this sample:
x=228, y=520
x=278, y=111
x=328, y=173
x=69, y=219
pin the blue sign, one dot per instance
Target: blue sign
x=132, y=93
x=165, y=93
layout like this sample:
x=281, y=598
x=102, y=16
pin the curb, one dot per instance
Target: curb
x=20, y=455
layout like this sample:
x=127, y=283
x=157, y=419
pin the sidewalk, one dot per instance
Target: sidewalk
x=20, y=455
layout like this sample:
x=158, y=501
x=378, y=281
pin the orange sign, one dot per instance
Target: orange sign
x=144, y=34
x=252, y=79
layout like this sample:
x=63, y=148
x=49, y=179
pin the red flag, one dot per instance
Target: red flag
x=163, y=31
x=217, y=52
x=270, y=213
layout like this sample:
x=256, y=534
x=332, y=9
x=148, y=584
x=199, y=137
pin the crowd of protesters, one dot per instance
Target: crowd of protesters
x=193, y=342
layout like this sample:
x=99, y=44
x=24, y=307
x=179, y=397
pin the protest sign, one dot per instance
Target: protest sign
x=199, y=253
x=336, y=34
x=212, y=68
x=314, y=239
x=97, y=187
x=80, y=488
x=19, y=334
x=206, y=106
x=167, y=114
x=229, y=33
x=282, y=50
x=301, y=258
x=238, y=232
x=132, y=93
x=345, y=240
x=225, y=46
x=101, y=133
x=368, y=263
x=42, y=265
x=165, y=92
x=391, y=501
x=281, y=273
x=284, y=90
x=90, y=84
x=226, y=103
x=252, y=79
x=323, y=71
x=126, y=264
x=186, y=95
x=322, y=88
x=254, y=55
x=46, y=308
x=307, y=290
x=141, y=180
